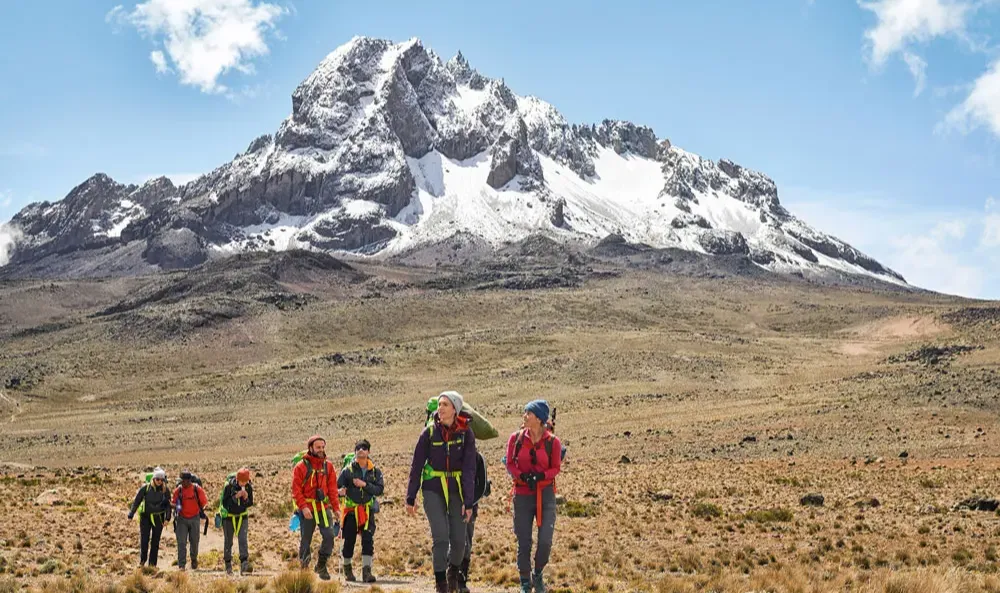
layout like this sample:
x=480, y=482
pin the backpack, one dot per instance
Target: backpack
x=480, y=426
x=221, y=511
x=549, y=445
x=483, y=429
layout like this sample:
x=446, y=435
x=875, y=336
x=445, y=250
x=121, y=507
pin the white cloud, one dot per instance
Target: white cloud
x=918, y=69
x=981, y=107
x=204, y=39
x=5, y=200
x=933, y=249
x=904, y=22
x=9, y=235
x=160, y=61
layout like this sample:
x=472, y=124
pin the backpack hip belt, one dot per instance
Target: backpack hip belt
x=359, y=510
x=237, y=525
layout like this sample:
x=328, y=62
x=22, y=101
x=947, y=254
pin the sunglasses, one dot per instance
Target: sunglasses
x=363, y=448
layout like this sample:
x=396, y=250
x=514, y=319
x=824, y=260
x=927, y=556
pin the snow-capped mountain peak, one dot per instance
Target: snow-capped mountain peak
x=388, y=148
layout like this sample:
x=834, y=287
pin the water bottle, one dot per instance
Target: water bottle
x=293, y=523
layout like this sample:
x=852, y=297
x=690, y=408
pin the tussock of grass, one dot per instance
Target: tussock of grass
x=779, y=515
x=706, y=510
x=297, y=581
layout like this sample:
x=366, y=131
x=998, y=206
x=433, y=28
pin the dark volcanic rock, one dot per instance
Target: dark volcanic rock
x=176, y=249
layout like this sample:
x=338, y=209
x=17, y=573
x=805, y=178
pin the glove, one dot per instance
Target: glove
x=130, y=516
x=529, y=479
x=539, y=476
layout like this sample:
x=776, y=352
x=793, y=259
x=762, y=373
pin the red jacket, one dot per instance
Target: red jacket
x=523, y=462
x=328, y=483
x=190, y=497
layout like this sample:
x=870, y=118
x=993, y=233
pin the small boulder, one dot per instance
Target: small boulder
x=624, y=459
x=662, y=495
x=812, y=500
x=56, y=496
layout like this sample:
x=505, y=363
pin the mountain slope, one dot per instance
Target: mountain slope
x=389, y=148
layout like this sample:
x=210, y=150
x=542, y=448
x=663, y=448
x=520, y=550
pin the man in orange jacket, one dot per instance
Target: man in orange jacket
x=314, y=488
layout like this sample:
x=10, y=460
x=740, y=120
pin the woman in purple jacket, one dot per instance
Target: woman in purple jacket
x=444, y=469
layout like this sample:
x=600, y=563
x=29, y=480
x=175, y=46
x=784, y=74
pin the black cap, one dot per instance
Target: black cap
x=185, y=475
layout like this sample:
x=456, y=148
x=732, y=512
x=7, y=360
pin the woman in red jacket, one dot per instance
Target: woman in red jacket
x=534, y=457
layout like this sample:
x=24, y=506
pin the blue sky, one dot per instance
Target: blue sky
x=878, y=120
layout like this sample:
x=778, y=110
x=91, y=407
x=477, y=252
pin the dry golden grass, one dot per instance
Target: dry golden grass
x=731, y=400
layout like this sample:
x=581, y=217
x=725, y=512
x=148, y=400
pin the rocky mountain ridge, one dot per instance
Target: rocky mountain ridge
x=389, y=148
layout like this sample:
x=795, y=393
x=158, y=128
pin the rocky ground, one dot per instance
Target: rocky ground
x=727, y=430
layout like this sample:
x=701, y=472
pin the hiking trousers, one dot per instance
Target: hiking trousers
x=228, y=530
x=149, y=538
x=350, y=531
x=447, y=527
x=308, y=527
x=187, y=529
x=524, y=527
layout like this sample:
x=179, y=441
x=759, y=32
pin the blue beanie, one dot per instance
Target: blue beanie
x=540, y=408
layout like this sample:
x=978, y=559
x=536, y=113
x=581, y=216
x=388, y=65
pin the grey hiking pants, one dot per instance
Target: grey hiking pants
x=447, y=527
x=524, y=527
x=187, y=529
x=228, y=530
x=308, y=527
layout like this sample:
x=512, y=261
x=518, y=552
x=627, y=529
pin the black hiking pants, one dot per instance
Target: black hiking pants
x=350, y=531
x=149, y=538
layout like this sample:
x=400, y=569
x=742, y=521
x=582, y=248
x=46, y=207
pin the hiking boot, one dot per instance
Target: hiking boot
x=465, y=577
x=366, y=574
x=440, y=582
x=525, y=584
x=194, y=564
x=321, y=570
x=245, y=567
x=454, y=576
x=229, y=567
x=349, y=573
x=539, y=583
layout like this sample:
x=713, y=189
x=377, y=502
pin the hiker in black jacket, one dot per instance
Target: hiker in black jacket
x=152, y=503
x=360, y=482
x=237, y=498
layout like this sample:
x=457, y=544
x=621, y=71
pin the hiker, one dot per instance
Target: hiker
x=314, y=479
x=189, y=507
x=362, y=482
x=534, y=458
x=152, y=503
x=236, y=499
x=448, y=450
x=483, y=431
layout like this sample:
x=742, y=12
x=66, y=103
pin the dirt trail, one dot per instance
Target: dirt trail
x=866, y=339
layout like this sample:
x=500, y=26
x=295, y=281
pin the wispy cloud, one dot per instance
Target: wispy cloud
x=160, y=62
x=903, y=23
x=981, y=107
x=9, y=235
x=6, y=198
x=946, y=250
x=203, y=39
x=918, y=69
